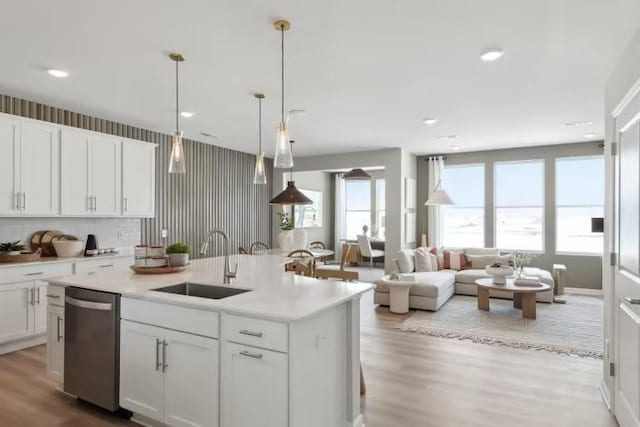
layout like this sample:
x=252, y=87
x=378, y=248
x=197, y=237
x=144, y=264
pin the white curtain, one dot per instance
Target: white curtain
x=340, y=216
x=434, y=219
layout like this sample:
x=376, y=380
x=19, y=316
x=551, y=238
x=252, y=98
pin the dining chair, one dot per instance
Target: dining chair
x=318, y=245
x=330, y=273
x=366, y=252
x=304, y=263
x=242, y=251
x=258, y=248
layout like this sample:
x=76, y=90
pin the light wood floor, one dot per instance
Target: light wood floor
x=412, y=381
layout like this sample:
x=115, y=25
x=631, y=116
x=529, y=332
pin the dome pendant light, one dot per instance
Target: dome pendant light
x=177, y=160
x=357, y=174
x=259, y=176
x=291, y=195
x=283, y=157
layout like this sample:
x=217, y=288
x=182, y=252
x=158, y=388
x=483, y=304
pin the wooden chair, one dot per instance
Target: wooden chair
x=347, y=276
x=258, y=248
x=242, y=251
x=304, y=263
x=319, y=245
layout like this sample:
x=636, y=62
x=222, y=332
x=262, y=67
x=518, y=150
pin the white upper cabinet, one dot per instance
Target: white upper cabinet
x=90, y=173
x=29, y=182
x=138, y=179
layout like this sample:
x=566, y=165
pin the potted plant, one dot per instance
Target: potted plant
x=178, y=254
x=285, y=238
x=11, y=248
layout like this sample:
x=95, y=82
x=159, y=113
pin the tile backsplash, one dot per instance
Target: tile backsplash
x=122, y=233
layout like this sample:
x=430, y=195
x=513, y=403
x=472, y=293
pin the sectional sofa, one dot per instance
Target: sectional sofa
x=433, y=288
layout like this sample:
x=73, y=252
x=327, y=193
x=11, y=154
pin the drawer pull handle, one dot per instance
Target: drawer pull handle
x=250, y=354
x=106, y=265
x=251, y=333
x=158, y=363
x=34, y=274
x=59, y=337
x=634, y=301
x=53, y=296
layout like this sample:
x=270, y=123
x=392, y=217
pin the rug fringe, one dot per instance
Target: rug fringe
x=502, y=342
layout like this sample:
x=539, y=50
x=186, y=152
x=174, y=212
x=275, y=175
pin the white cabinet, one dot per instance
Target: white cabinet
x=155, y=366
x=40, y=307
x=103, y=264
x=90, y=173
x=254, y=387
x=29, y=182
x=16, y=311
x=55, y=342
x=138, y=179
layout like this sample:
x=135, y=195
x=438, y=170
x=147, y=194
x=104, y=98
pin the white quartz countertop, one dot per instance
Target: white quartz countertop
x=275, y=294
x=56, y=260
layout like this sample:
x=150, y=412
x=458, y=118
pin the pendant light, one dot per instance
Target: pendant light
x=439, y=196
x=356, y=174
x=283, y=157
x=259, y=176
x=177, y=160
x=291, y=195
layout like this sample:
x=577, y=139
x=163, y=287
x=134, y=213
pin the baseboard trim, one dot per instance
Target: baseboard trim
x=604, y=392
x=582, y=291
x=23, y=343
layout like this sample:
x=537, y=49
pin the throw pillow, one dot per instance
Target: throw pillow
x=422, y=260
x=454, y=260
x=433, y=258
x=440, y=256
x=405, y=261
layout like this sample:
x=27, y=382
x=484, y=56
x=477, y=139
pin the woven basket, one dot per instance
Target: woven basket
x=23, y=257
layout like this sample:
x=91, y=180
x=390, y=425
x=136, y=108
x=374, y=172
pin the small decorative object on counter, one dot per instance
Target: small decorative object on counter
x=499, y=272
x=92, y=245
x=12, y=248
x=178, y=254
x=21, y=257
x=285, y=238
x=522, y=259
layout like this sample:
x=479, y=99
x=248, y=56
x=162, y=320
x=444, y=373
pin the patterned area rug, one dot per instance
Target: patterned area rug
x=573, y=328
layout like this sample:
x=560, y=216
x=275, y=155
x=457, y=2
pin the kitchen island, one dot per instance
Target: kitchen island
x=282, y=351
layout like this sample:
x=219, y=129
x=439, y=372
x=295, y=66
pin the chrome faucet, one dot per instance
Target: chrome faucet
x=228, y=274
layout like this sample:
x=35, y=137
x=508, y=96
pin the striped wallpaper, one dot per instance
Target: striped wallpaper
x=216, y=191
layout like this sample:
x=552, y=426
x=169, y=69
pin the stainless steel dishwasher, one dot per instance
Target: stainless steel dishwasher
x=92, y=346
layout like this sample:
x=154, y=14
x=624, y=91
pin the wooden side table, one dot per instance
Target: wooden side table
x=354, y=253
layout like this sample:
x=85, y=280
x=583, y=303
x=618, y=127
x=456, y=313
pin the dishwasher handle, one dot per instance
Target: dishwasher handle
x=104, y=306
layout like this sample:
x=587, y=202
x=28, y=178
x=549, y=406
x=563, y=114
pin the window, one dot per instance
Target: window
x=519, y=205
x=379, y=232
x=358, y=207
x=309, y=216
x=463, y=222
x=579, y=197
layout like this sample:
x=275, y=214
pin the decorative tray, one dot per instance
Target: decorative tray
x=157, y=270
x=23, y=257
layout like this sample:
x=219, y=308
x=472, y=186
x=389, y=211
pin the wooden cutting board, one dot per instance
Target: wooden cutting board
x=46, y=243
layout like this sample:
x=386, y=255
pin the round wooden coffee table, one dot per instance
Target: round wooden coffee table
x=398, y=295
x=524, y=297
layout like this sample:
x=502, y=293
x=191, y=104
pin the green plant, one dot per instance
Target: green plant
x=11, y=246
x=178, y=248
x=286, y=223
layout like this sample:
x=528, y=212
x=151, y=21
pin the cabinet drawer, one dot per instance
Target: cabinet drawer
x=102, y=264
x=256, y=332
x=55, y=295
x=185, y=319
x=34, y=272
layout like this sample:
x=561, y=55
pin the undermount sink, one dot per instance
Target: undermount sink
x=201, y=291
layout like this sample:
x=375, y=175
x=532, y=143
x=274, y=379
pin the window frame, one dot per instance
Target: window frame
x=556, y=205
x=484, y=201
x=543, y=207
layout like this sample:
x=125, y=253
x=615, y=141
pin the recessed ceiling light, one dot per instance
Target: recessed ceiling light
x=448, y=137
x=430, y=121
x=491, y=54
x=590, y=135
x=186, y=114
x=455, y=147
x=58, y=73
x=573, y=124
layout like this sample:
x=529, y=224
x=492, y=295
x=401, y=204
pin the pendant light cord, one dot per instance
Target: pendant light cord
x=282, y=71
x=259, y=126
x=291, y=170
x=177, y=107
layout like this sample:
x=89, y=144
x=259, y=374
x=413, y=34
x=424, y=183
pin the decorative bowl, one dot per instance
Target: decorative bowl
x=499, y=274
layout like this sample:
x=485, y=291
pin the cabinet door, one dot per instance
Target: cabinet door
x=105, y=175
x=55, y=343
x=39, y=168
x=254, y=387
x=9, y=161
x=16, y=310
x=138, y=179
x=141, y=376
x=192, y=360
x=74, y=172
x=40, y=307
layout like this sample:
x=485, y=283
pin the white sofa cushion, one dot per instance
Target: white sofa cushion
x=405, y=261
x=428, y=284
x=470, y=276
x=425, y=260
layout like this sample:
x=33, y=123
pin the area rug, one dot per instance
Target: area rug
x=574, y=328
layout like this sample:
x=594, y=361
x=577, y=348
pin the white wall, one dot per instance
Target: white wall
x=623, y=78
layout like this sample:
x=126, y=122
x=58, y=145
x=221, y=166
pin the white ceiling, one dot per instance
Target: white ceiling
x=367, y=71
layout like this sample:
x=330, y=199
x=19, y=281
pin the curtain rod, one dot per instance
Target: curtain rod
x=428, y=157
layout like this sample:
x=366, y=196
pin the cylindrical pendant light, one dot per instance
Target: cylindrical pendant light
x=177, y=160
x=283, y=157
x=259, y=175
x=291, y=195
